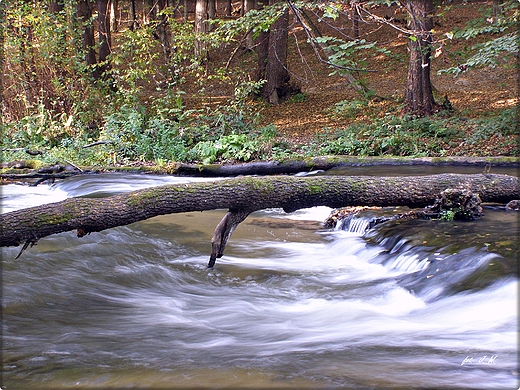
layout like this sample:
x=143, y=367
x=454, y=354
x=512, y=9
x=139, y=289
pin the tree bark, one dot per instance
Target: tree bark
x=114, y=9
x=105, y=41
x=202, y=15
x=418, y=97
x=355, y=19
x=242, y=196
x=56, y=6
x=497, y=10
x=276, y=72
x=228, y=7
x=249, y=41
x=84, y=16
x=164, y=34
x=133, y=15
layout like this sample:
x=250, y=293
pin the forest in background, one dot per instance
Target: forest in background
x=155, y=82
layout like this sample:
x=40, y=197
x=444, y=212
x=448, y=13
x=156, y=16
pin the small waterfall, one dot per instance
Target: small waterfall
x=355, y=224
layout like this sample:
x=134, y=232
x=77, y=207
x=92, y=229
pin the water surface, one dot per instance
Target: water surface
x=420, y=304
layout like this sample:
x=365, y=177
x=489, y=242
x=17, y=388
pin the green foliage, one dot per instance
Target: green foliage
x=239, y=147
x=45, y=63
x=254, y=21
x=158, y=133
x=348, y=56
x=299, y=98
x=491, y=54
x=504, y=124
x=391, y=135
x=496, y=50
x=348, y=108
x=53, y=103
x=447, y=215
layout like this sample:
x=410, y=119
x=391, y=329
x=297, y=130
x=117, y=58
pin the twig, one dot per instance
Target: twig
x=237, y=48
x=74, y=166
x=95, y=143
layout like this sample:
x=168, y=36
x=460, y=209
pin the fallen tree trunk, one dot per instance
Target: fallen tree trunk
x=488, y=164
x=242, y=196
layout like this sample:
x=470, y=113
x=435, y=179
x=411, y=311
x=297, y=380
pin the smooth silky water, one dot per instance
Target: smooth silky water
x=420, y=304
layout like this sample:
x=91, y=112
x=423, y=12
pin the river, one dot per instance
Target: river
x=419, y=304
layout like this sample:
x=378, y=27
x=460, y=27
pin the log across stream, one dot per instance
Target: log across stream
x=414, y=304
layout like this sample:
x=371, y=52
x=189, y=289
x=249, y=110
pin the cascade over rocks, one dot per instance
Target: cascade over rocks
x=242, y=196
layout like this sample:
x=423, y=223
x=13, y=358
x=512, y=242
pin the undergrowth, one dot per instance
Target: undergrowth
x=230, y=133
x=436, y=136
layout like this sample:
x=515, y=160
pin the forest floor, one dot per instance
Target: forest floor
x=475, y=93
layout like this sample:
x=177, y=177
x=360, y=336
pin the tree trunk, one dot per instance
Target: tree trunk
x=56, y=6
x=262, y=50
x=497, y=10
x=105, y=42
x=212, y=11
x=114, y=9
x=228, y=7
x=164, y=34
x=276, y=72
x=84, y=16
x=418, y=97
x=202, y=26
x=355, y=19
x=248, y=6
x=133, y=16
x=242, y=196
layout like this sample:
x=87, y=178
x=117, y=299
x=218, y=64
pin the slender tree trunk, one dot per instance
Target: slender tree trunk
x=84, y=16
x=262, y=50
x=114, y=9
x=164, y=34
x=418, y=97
x=497, y=10
x=355, y=20
x=202, y=15
x=212, y=11
x=105, y=41
x=132, y=15
x=248, y=6
x=229, y=7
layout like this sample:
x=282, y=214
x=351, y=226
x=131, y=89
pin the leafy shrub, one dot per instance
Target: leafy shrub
x=240, y=147
x=504, y=124
x=348, y=108
x=392, y=135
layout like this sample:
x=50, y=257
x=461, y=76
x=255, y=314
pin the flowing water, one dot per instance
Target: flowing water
x=420, y=304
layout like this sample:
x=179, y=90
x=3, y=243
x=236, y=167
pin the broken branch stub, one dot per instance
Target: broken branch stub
x=223, y=231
